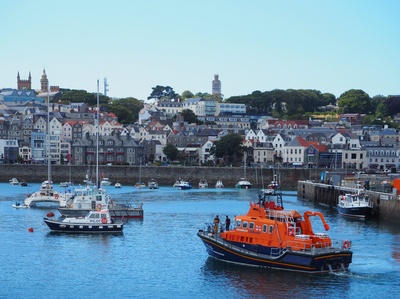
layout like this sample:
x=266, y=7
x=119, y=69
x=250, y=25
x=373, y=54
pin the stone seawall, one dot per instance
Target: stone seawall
x=166, y=176
x=386, y=206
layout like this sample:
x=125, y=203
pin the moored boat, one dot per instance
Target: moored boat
x=219, y=184
x=23, y=183
x=355, y=204
x=46, y=194
x=14, y=181
x=88, y=198
x=178, y=182
x=243, y=184
x=270, y=237
x=203, y=183
x=184, y=185
x=105, y=182
x=65, y=184
x=152, y=184
x=140, y=185
x=117, y=185
x=98, y=221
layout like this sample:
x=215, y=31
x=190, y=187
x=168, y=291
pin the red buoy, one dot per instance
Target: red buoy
x=50, y=214
x=30, y=229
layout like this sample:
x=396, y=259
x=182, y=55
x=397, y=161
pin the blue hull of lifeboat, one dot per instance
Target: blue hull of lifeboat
x=332, y=260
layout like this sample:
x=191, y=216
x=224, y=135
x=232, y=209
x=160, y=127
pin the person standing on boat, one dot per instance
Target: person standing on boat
x=216, y=224
x=227, y=223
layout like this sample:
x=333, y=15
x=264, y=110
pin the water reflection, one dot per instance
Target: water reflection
x=244, y=281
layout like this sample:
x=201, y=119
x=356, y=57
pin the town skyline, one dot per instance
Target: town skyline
x=263, y=45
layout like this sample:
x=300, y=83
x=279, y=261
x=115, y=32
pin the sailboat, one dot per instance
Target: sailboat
x=46, y=193
x=69, y=183
x=140, y=184
x=92, y=197
x=243, y=183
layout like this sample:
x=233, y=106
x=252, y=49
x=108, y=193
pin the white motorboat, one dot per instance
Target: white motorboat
x=203, y=183
x=14, y=181
x=219, y=184
x=105, y=182
x=152, y=184
x=356, y=204
x=98, y=221
x=243, y=184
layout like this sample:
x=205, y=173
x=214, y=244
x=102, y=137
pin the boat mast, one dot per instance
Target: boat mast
x=97, y=137
x=48, y=135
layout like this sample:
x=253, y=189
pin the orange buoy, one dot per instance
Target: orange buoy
x=50, y=214
x=30, y=229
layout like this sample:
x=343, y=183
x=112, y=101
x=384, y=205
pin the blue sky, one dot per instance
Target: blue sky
x=331, y=46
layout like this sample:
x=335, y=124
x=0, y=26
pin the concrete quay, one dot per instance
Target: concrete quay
x=386, y=205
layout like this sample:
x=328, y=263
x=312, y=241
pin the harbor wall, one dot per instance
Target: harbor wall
x=166, y=176
x=386, y=205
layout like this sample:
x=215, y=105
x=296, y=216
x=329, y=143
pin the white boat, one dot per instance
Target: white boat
x=117, y=185
x=203, y=183
x=178, y=182
x=243, y=184
x=219, y=184
x=140, y=185
x=98, y=221
x=65, y=184
x=88, y=198
x=14, y=181
x=46, y=194
x=18, y=205
x=105, y=182
x=184, y=185
x=356, y=204
x=152, y=184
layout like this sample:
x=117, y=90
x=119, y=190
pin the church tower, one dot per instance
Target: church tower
x=24, y=84
x=44, y=82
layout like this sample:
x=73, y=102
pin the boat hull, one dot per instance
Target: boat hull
x=324, y=261
x=115, y=213
x=357, y=212
x=60, y=226
x=243, y=186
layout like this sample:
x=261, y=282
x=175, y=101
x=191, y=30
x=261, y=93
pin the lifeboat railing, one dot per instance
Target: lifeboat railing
x=276, y=252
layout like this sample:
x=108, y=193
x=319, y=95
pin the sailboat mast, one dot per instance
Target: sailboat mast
x=97, y=137
x=48, y=135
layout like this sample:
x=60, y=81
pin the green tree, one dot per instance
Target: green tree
x=355, y=101
x=229, y=147
x=163, y=93
x=171, y=152
x=126, y=109
x=82, y=96
x=189, y=116
x=187, y=95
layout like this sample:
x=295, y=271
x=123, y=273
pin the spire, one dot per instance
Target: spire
x=18, y=75
x=29, y=78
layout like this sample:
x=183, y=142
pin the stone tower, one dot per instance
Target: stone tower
x=216, y=86
x=44, y=82
x=24, y=84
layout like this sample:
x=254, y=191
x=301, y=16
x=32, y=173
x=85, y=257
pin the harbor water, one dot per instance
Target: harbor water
x=162, y=257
